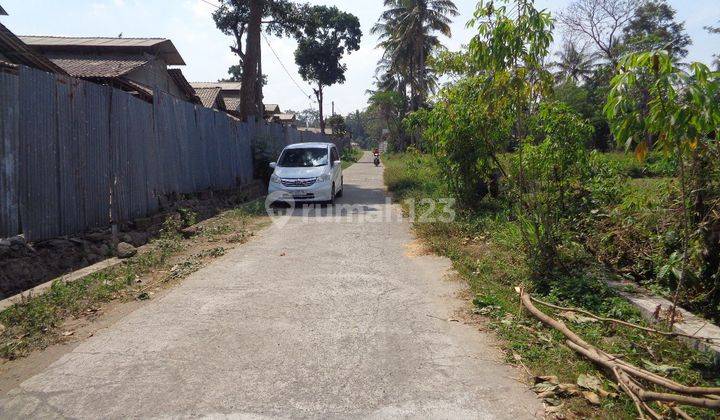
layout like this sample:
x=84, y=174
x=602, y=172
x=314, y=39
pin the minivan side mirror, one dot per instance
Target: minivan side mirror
x=273, y=164
x=337, y=162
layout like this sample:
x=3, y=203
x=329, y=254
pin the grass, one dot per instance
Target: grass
x=485, y=247
x=37, y=321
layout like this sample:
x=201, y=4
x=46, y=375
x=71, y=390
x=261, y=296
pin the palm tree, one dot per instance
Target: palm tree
x=574, y=64
x=406, y=30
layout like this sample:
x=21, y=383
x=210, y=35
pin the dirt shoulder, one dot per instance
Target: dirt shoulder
x=43, y=328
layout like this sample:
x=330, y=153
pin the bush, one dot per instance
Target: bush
x=551, y=182
x=466, y=130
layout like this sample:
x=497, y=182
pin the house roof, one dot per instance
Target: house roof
x=272, y=108
x=183, y=84
x=221, y=85
x=2, y=11
x=17, y=52
x=210, y=96
x=100, y=66
x=160, y=47
x=232, y=104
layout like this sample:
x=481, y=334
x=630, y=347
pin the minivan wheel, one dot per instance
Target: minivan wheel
x=332, y=195
x=340, y=193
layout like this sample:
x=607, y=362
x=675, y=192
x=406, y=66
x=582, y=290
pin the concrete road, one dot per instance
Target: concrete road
x=319, y=318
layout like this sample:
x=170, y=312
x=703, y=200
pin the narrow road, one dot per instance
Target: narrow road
x=317, y=318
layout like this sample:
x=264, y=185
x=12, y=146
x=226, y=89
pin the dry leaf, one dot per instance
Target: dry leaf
x=68, y=333
x=591, y=397
x=552, y=379
x=589, y=382
x=576, y=317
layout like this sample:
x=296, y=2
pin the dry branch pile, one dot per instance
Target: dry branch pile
x=634, y=381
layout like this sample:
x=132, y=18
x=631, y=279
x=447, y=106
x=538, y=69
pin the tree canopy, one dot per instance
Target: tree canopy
x=327, y=35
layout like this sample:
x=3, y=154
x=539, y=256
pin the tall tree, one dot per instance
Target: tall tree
x=243, y=20
x=715, y=30
x=235, y=73
x=600, y=22
x=406, y=29
x=653, y=27
x=326, y=37
x=574, y=63
x=389, y=107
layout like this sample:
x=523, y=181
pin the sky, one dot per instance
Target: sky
x=205, y=49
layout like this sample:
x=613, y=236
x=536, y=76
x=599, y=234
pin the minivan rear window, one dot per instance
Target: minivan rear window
x=303, y=157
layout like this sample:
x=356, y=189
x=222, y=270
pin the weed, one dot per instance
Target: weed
x=485, y=247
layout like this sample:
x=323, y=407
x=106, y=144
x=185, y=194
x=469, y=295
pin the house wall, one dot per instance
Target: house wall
x=155, y=74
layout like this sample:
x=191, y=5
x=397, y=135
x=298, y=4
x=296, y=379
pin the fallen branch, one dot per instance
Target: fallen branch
x=627, y=376
x=625, y=323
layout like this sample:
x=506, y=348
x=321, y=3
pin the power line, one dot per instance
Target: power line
x=283, y=66
x=211, y=4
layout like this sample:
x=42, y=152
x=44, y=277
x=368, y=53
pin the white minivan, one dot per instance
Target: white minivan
x=307, y=172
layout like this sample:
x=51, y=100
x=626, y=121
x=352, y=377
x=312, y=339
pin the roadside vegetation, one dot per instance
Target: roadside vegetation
x=600, y=166
x=39, y=321
x=485, y=245
x=350, y=155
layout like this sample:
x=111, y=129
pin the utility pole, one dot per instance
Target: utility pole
x=333, y=107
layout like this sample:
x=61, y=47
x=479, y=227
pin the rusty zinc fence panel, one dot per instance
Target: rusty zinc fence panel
x=39, y=166
x=71, y=171
x=75, y=154
x=246, y=154
x=93, y=137
x=9, y=155
x=205, y=122
x=129, y=197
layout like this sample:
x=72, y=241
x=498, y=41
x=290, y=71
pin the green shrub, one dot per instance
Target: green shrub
x=551, y=185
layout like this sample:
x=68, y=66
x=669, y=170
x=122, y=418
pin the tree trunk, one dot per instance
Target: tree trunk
x=248, y=90
x=259, y=88
x=319, y=95
x=422, y=73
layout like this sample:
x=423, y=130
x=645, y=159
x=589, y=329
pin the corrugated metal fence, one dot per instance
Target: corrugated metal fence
x=75, y=155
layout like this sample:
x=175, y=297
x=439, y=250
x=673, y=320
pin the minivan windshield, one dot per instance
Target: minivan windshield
x=303, y=157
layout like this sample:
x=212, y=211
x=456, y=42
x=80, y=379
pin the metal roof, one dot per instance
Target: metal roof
x=161, y=47
x=101, y=66
x=209, y=96
x=272, y=108
x=232, y=104
x=221, y=85
x=18, y=52
x=182, y=83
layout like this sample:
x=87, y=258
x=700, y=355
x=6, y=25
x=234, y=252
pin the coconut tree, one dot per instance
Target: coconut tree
x=407, y=34
x=574, y=63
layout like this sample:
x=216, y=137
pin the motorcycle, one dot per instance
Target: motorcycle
x=376, y=161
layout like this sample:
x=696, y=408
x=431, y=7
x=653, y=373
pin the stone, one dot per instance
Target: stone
x=125, y=250
x=98, y=236
x=139, y=238
x=143, y=223
x=190, y=231
x=125, y=237
x=103, y=250
x=17, y=242
x=4, y=250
